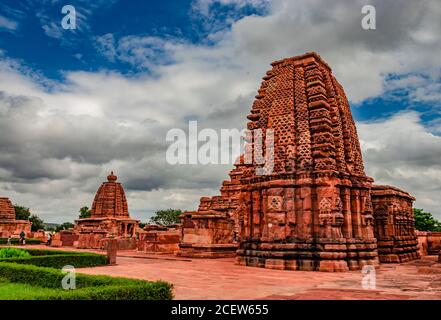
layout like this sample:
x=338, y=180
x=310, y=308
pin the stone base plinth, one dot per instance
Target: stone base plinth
x=329, y=255
x=207, y=250
x=398, y=249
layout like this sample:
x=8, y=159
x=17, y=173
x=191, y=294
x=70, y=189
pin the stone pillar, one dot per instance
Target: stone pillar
x=112, y=248
x=347, y=226
x=356, y=214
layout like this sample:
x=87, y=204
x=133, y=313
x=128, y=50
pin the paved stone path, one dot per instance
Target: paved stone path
x=221, y=279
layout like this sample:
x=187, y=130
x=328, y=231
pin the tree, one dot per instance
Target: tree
x=424, y=221
x=22, y=213
x=166, y=217
x=64, y=226
x=85, y=212
x=37, y=223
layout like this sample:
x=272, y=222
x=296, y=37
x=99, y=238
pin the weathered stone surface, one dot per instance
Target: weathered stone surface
x=394, y=224
x=429, y=243
x=157, y=239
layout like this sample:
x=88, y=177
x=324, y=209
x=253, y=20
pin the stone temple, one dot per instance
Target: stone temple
x=110, y=218
x=9, y=226
x=315, y=209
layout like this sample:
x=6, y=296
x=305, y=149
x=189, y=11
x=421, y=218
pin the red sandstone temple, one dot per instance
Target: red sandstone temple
x=110, y=218
x=317, y=209
x=9, y=226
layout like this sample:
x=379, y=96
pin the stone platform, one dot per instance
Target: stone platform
x=221, y=279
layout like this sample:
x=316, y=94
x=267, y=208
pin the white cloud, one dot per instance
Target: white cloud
x=400, y=151
x=8, y=24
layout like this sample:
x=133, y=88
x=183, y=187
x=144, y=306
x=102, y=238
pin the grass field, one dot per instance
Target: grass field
x=20, y=291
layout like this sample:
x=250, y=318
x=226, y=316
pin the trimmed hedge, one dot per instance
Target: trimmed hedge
x=88, y=287
x=16, y=241
x=58, y=259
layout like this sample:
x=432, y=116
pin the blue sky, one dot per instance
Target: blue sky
x=144, y=67
x=53, y=52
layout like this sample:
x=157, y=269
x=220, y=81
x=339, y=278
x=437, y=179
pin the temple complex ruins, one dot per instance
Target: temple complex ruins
x=313, y=207
x=9, y=226
x=109, y=219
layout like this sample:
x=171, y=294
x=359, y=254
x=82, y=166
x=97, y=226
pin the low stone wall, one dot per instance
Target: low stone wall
x=39, y=235
x=121, y=243
x=159, y=241
x=429, y=243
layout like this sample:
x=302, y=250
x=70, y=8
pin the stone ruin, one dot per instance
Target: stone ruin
x=110, y=219
x=9, y=226
x=159, y=239
x=316, y=209
x=213, y=230
x=394, y=224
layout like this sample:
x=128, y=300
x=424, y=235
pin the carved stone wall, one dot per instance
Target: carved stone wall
x=394, y=224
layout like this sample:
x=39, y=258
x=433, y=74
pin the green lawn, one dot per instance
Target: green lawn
x=32, y=274
x=20, y=291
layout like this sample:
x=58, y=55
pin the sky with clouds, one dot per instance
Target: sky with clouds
x=75, y=104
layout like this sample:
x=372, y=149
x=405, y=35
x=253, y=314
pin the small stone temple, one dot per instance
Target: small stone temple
x=313, y=207
x=9, y=226
x=394, y=224
x=110, y=218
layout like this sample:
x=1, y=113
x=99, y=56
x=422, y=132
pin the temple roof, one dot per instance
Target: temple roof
x=307, y=109
x=7, y=210
x=110, y=200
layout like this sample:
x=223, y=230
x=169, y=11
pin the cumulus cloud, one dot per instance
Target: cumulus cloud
x=58, y=144
x=401, y=151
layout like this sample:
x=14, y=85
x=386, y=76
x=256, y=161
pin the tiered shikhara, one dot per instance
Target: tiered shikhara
x=110, y=218
x=311, y=209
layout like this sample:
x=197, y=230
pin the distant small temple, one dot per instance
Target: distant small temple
x=9, y=226
x=109, y=219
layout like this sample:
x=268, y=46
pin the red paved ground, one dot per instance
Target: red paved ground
x=222, y=279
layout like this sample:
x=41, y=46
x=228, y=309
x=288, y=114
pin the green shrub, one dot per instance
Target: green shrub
x=58, y=259
x=15, y=241
x=13, y=253
x=88, y=287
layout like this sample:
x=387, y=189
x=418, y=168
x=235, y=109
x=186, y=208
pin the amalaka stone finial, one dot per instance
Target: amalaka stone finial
x=111, y=177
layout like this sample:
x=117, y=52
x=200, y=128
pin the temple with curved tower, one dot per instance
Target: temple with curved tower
x=109, y=218
x=311, y=206
x=9, y=226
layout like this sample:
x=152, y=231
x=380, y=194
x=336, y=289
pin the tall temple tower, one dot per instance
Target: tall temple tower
x=299, y=198
x=310, y=209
